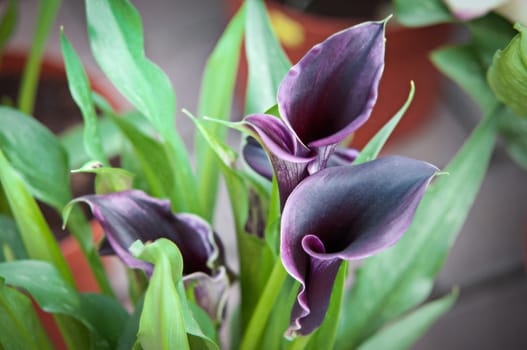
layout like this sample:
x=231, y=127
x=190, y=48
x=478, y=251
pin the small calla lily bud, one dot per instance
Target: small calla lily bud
x=507, y=76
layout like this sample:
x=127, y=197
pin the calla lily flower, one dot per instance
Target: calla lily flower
x=133, y=215
x=345, y=213
x=325, y=97
x=513, y=10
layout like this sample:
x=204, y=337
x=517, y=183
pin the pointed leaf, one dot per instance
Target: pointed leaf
x=215, y=101
x=401, y=334
x=374, y=146
x=166, y=318
x=36, y=155
x=35, y=233
x=267, y=61
x=116, y=39
x=81, y=92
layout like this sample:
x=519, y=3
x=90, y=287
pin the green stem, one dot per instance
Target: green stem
x=263, y=308
x=300, y=343
x=46, y=16
x=80, y=228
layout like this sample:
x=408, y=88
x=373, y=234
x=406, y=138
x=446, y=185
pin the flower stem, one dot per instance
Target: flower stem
x=80, y=228
x=261, y=313
x=46, y=16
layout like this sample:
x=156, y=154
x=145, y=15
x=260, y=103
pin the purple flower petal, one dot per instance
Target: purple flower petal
x=345, y=212
x=210, y=292
x=255, y=156
x=331, y=91
x=132, y=215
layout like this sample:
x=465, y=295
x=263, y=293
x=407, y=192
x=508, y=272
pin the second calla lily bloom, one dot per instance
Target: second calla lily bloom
x=133, y=215
x=325, y=97
x=345, y=213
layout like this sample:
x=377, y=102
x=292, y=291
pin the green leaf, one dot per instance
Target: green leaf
x=129, y=334
x=19, y=322
x=35, y=233
x=108, y=179
x=81, y=92
x=47, y=11
x=116, y=39
x=463, y=65
x=73, y=144
x=374, y=146
x=215, y=100
x=507, y=76
x=36, y=155
x=166, y=317
x=513, y=131
x=421, y=13
x=8, y=22
x=267, y=62
x=489, y=34
x=396, y=280
x=104, y=317
x=151, y=156
x=404, y=332
x=11, y=245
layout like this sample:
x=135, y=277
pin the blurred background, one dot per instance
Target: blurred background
x=487, y=260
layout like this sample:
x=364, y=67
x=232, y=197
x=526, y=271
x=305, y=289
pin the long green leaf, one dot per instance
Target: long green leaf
x=47, y=11
x=8, y=22
x=36, y=235
x=81, y=92
x=374, y=146
x=268, y=63
x=166, y=317
x=36, y=155
x=11, y=244
x=404, y=332
x=72, y=141
x=401, y=277
x=116, y=39
x=104, y=317
x=462, y=64
x=215, y=100
x=151, y=156
x=19, y=323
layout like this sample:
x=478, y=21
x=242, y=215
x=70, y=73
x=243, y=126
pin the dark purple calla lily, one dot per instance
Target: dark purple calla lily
x=325, y=97
x=345, y=213
x=133, y=215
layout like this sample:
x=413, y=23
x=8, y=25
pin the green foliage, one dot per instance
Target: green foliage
x=402, y=333
x=11, y=245
x=215, y=101
x=81, y=92
x=416, y=13
x=8, y=22
x=116, y=40
x=19, y=322
x=166, y=318
x=102, y=317
x=267, y=61
x=36, y=155
x=28, y=88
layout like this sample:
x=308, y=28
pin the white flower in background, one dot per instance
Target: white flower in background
x=513, y=10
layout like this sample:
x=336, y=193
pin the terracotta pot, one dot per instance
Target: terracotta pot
x=407, y=51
